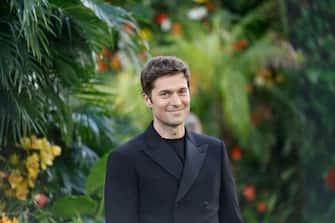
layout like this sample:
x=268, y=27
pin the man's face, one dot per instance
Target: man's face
x=170, y=100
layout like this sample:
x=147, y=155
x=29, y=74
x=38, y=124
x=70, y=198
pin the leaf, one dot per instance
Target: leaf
x=111, y=15
x=96, y=178
x=235, y=103
x=73, y=206
x=45, y=57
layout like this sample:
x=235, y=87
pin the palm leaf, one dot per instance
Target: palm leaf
x=45, y=56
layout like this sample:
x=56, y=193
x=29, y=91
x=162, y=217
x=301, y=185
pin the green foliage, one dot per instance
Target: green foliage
x=232, y=83
x=225, y=68
x=281, y=125
x=128, y=99
x=96, y=178
x=90, y=204
x=48, y=87
x=46, y=53
x=68, y=207
x=313, y=94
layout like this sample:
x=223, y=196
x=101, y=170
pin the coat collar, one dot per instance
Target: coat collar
x=159, y=152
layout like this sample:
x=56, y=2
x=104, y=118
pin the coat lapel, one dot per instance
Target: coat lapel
x=161, y=153
x=195, y=156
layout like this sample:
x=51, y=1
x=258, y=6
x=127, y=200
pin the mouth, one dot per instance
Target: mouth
x=179, y=110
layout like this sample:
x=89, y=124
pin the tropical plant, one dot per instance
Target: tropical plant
x=313, y=94
x=49, y=87
x=46, y=55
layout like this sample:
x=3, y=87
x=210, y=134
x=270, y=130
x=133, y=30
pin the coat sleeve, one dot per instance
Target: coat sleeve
x=229, y=208
x=121, y=193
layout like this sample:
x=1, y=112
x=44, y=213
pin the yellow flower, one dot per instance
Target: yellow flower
x=32, y=176
x=47, y=154
x=32, y=163
x=56, y=150
x=31, y=182
x=36, y=143
x=45, y=145
x=25, y=143
x=15, y=179
x=145, y=34
x=22, y=191
x=33, y=173
x=5, y=219
x=46, y=158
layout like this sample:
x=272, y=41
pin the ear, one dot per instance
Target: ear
x=147, y=100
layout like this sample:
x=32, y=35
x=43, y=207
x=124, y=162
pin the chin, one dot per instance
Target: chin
x=175, y=123
x=171, y=121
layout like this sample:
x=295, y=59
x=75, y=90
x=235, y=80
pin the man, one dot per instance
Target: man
x=168, y=174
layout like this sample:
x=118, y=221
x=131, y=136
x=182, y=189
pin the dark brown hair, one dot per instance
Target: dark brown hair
x=161, y=66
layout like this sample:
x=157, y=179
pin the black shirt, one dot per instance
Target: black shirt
x=178, y=145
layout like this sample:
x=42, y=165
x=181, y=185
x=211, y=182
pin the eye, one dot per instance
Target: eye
x=164, y=93
x=183, y=91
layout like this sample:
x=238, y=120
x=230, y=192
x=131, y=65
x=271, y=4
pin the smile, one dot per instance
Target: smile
x=176, y=110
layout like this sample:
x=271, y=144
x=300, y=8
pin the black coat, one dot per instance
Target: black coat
x=147, y=183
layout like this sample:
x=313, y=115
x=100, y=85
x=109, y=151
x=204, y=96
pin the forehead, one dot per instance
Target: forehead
x=171, y=82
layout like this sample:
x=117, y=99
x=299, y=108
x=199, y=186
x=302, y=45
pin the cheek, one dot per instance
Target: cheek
x=161, y=105
x=187, y=100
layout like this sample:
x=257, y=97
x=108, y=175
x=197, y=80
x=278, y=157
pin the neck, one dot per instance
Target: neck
x=170, y=132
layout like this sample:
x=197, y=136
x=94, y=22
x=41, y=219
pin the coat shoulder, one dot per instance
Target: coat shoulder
x=206, y=139
x=132, y=146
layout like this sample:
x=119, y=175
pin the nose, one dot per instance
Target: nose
x=175, y=100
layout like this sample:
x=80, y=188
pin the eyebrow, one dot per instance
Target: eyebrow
x=168, y=90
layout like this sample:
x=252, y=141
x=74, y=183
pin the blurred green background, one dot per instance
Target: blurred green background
x=262, y=79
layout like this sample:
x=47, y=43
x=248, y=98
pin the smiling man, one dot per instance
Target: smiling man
x=168, y=174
